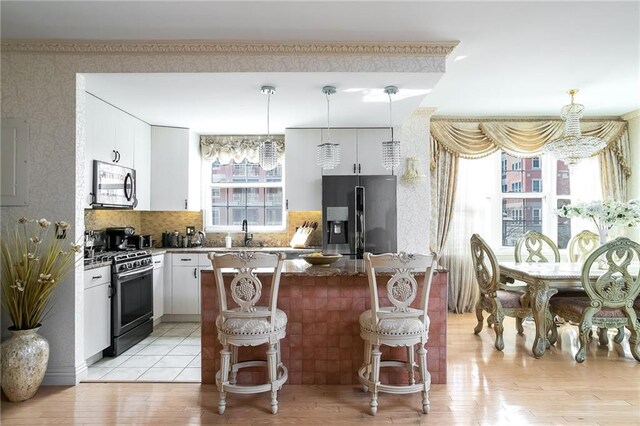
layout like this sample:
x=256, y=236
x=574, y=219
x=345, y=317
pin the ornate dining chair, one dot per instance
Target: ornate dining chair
x=249, y=324
x=497, y=302
x=538, y=246
x=396, y=324
x=610, y=297
x=582, y=244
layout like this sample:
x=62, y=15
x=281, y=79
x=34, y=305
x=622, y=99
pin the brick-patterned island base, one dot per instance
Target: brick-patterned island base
x=323, y=343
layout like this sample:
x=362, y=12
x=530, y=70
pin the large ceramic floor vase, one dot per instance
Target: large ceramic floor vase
x=24, y=361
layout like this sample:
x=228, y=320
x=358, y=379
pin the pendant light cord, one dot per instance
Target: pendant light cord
x=328, y=124
x=268, y=107
x=390, y=115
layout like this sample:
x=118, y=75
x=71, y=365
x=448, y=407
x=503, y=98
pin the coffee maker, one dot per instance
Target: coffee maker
x=117, y=238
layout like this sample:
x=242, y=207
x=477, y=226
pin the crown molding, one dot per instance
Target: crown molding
x=632, y=114
x=210, y=47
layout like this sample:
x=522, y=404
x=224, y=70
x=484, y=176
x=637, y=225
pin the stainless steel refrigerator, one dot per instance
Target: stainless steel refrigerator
x=359, y=214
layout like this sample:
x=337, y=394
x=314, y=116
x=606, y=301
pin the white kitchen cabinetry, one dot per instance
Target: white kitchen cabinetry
x=97, y=310
x=303, y=177
x=158, y=287
x=183, y=297
x=142, y=164
x=114, y=136
x=175, y=169
x=360, y=151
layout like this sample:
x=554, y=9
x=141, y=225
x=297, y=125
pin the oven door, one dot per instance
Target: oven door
x=132, y=300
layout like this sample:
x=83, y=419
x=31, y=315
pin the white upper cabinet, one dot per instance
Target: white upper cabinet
x=142, y=164
x=370, y=151
x=175, y=169
x=114, y=136
x=347, y=138
x=360, y=151
x=303, y=177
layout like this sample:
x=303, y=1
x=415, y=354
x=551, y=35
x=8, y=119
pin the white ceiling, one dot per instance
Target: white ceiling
x=514, y=58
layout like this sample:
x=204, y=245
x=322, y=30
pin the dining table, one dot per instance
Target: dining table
x=543, y=280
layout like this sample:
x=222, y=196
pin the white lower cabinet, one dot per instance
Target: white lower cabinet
x=185, y=290
x=97, y=310
x=158, y=287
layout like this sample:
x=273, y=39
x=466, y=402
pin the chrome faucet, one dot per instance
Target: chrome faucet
x=247, y=236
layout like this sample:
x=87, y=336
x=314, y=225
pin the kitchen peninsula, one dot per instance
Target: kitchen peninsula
x=323, y=343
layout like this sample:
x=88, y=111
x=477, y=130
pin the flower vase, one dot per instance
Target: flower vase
x=25, y=356
x=603, y=233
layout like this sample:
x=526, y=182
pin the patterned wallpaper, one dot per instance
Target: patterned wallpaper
x=155, y=223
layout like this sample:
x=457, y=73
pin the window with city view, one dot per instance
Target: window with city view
x=531, y=190
x=239, y=191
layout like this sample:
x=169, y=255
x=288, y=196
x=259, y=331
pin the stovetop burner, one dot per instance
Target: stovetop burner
x=117, y=257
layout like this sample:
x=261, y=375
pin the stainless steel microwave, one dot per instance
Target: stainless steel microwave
x=113, y=186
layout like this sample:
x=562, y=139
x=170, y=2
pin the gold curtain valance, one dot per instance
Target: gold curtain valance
x=225, y=148
x=476, y=138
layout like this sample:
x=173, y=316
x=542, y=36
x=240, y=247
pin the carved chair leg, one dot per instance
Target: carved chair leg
x=480, y=318
x=552, y=328
x=519, y=327
x=410, y=363
x=375, y=378
x=619, y=335
x=499, y=329
x=234, y=370
x=634, y=327
x=225, y=358
x=585, y=329
x=424, y=378
x=367, y=363
x=272, y=365
x=603, y=338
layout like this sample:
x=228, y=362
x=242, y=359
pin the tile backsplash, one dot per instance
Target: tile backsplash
x=157, y=222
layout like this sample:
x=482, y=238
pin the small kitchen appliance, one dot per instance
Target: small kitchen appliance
x=118, y=238
x=113, y=186
x=140, y=242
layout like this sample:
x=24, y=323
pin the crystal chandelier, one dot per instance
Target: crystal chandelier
x=267, y=149
x=390, y=148
x=328, y=154
x=572, y=146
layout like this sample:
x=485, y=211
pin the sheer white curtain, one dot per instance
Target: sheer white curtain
x=470, y=215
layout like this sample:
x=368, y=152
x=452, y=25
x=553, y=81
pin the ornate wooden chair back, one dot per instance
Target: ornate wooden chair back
x=245, y=288
x=402, y=287
x=582, y=244
x=616, y=287
x=485, y=266
x=535, y=244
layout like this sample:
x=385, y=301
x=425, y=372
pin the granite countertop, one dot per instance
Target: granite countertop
x=342, y=267
x=223, y=249
x=95, y=265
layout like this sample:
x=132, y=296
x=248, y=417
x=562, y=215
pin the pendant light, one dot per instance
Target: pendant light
x=328, y=154
x=267, y=149
x=390, y=148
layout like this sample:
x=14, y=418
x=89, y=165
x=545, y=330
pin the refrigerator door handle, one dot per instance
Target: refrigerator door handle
x=360, y=221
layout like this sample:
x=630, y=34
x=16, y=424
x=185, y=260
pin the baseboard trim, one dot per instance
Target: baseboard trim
x=65, y=376
x=180, y=318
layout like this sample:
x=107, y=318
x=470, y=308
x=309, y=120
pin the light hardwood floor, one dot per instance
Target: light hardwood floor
x=485, y=387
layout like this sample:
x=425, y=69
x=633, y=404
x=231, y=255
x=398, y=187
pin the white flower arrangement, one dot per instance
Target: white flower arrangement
x=605, y=214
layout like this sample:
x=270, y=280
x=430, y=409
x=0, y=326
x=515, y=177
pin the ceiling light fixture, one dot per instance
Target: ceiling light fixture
x=328, y=154
x=391, y=148
x=267, y=149
x=572, y=146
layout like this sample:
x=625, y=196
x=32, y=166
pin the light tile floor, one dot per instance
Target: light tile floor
x=170, y=354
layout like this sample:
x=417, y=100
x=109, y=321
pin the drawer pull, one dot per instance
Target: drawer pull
x=158, y=261
x=186, y=260
x=96, y=277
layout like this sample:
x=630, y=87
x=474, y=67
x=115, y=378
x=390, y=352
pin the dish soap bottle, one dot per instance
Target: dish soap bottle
x=227, y=240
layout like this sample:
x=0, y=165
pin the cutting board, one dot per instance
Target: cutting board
x=303, y=235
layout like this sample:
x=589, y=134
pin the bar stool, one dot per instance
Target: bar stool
x=396, y=325
x=248, y=324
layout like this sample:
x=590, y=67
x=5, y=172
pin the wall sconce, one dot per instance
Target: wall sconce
x=412, y=170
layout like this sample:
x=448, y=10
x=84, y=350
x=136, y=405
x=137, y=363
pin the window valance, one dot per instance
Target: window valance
x=479, y=138
x=225, y=148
